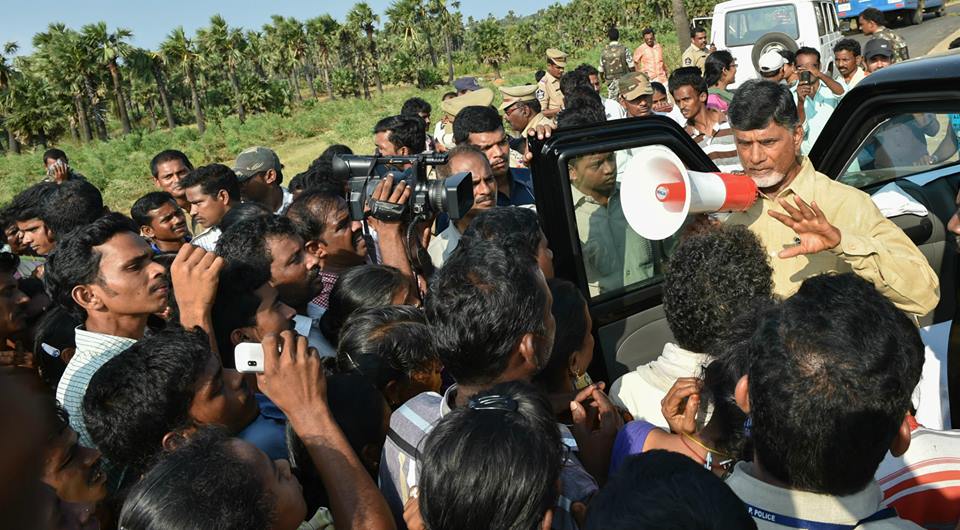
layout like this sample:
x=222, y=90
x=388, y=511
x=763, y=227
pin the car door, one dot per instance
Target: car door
x=898, y=132
x=629, y=324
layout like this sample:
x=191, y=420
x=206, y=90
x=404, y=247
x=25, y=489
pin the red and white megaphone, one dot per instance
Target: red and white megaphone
x=658, y=192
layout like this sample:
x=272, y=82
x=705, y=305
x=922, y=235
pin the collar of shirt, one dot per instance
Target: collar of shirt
x=801, y=185
x=327, y=281
x=698, y=136
x=93, y=343
x=287, y=200
x=521, y=189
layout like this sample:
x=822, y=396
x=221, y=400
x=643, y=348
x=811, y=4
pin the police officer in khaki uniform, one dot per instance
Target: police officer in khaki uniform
x=522, y=110
x=451, y=107
x=696, y=53
x=548, y=93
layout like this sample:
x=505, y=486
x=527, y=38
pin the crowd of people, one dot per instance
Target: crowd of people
x=434, y=374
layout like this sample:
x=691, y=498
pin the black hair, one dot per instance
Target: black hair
x=386, y=344
x=499, y=456
x=662, y=489
x=212, y=178
x=710, y=276
x=806, y=50
x=697, y=29
x=236, y=304
x=538, y=75
x=480, y=304
x=850, y=45
x=56, y=419
x=310, y=210
x=55, y=154
x=831, y=381
x=358, y=408
x=714, y=66
x=757, y=102
x=658, y=87
x=569, y=311
x=613, y=33
x=9, y=263
x=446, y=95
x=74, y=203
x=296, y=183
x=53, y=334
x=140, y=211
x=143, y=393
x=444, y=171
x=246, y=242
x=404, y=131
x=788, y=56
x=361, y=287
x=588, y=69
x=320, y=175
x=872, y=14
x=203, y=484
x=576, y=114
x=516, y=230
x=572, y=79
x=475, y=119
x=168, y=155
x=245, y=211
x=415, y=106
x=31, y=202
x=687, y=76
x=75, y=262
x=647, y=30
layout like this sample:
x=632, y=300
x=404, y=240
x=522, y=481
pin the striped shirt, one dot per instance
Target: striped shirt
x=93, y=351
x=720, y=145
x=411, y=423
x=923, y=484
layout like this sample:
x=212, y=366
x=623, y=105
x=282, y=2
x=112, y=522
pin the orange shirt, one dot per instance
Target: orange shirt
x=649, y=60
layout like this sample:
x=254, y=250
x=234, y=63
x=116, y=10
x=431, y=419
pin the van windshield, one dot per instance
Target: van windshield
x=745, y=26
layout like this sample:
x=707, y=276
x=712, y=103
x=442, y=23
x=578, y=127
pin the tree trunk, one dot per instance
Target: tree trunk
x=327, y=81
x=241, y=112
x=14, y=145
x=308, y=72
x=96, y=110
x=85, y=134
x=682, y=23
x=42, y=137
x=74, y=132
x=118, y=91
x=197, y=111
x=295, y=84
x=164, y=97
x=365, y=81
x=449, y=46
x=152, y=114
x=375, y=61
x=433, y=53
x=496, y=69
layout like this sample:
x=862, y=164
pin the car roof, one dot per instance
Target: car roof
x=736, y=4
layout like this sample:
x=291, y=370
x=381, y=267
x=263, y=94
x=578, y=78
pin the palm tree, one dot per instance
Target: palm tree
x=109, y=47
x=411, y=19
x=7, y=73
x=178, y=49
x=322, y=32
x=488, y=44
x=228, y=44
x=151, y=63
x=361, y=16
x=438, y=10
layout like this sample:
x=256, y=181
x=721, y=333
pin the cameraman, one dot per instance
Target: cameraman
x=399, y=136
x=817, y=95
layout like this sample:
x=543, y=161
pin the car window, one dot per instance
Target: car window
x=821, y=23
x=903, y=145
x=615, y=258
x=745, y=26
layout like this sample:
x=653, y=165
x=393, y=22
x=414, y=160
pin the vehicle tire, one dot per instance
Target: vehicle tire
x=916, y=17
x=772, y=41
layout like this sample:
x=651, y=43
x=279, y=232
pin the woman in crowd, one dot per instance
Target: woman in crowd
x=720, y=71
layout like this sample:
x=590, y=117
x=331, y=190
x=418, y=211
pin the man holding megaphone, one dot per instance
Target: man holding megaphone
x=811, y=224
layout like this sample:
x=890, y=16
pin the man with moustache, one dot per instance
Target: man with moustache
x=464, y=158
x=811, y=224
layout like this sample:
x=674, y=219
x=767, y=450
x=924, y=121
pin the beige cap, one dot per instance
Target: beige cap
x=516, y=94
x=558, y=57
x=634, y=85
x=482, y=98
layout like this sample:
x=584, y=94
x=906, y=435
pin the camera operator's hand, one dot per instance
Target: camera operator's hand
x=385, y=191
x=391, y=235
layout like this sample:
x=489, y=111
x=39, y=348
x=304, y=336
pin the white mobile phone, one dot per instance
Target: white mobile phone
x=248, y=357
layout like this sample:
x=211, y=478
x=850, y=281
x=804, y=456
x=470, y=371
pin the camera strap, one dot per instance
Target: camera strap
x=387, y=211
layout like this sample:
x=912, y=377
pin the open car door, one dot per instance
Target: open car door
x=895, y=136
x=619, y=272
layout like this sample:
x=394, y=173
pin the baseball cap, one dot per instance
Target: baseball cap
x=876, y=47
x=466, y=83
x=255, y=160
x=482, y=98
x=516, y=94
x=558, y=57
x=634, y=85
x=770, y=62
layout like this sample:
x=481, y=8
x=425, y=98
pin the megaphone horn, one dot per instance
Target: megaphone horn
x=658, y=193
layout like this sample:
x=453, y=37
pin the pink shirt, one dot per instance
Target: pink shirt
x=650, y=61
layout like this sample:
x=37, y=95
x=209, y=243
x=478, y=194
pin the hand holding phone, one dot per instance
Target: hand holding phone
x=806, y=77
x=248, y=357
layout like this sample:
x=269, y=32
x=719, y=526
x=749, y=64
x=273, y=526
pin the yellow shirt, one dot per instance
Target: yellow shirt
x=694, y=56
x=549, y=93
x=537, y=119
x=871, y=245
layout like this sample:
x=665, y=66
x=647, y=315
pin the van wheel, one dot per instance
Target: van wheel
x=917, y=16
x=771, y=41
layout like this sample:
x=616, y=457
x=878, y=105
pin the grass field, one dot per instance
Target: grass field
x=120, y=167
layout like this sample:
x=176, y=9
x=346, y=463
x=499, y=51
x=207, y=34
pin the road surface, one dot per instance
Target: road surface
x=923, y=37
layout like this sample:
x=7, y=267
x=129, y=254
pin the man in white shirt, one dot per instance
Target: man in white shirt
x=260, y=175
x=211, y=191
x=712, y=276
x=846, y=55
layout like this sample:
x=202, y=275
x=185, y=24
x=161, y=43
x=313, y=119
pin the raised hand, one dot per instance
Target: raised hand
x=679, y=407
x=293, y=376
x=814, y=231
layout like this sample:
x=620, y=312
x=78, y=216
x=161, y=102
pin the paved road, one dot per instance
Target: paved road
x=922, y=37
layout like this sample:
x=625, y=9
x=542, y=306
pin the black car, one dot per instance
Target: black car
x=862, y=145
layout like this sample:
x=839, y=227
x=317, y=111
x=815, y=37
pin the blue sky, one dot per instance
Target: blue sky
x=152, y=20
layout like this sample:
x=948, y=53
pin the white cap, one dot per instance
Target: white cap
x=770, y=62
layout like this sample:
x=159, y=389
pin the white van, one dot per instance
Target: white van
x=750, y=28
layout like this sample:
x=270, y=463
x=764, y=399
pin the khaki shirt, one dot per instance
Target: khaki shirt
x=694, y=56
x=871, y=245
x=614, y=255
x=538, y=119
x=548, y=93
x=900, y=52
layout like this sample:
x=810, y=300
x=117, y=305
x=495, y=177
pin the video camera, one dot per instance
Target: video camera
x=452, y=195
